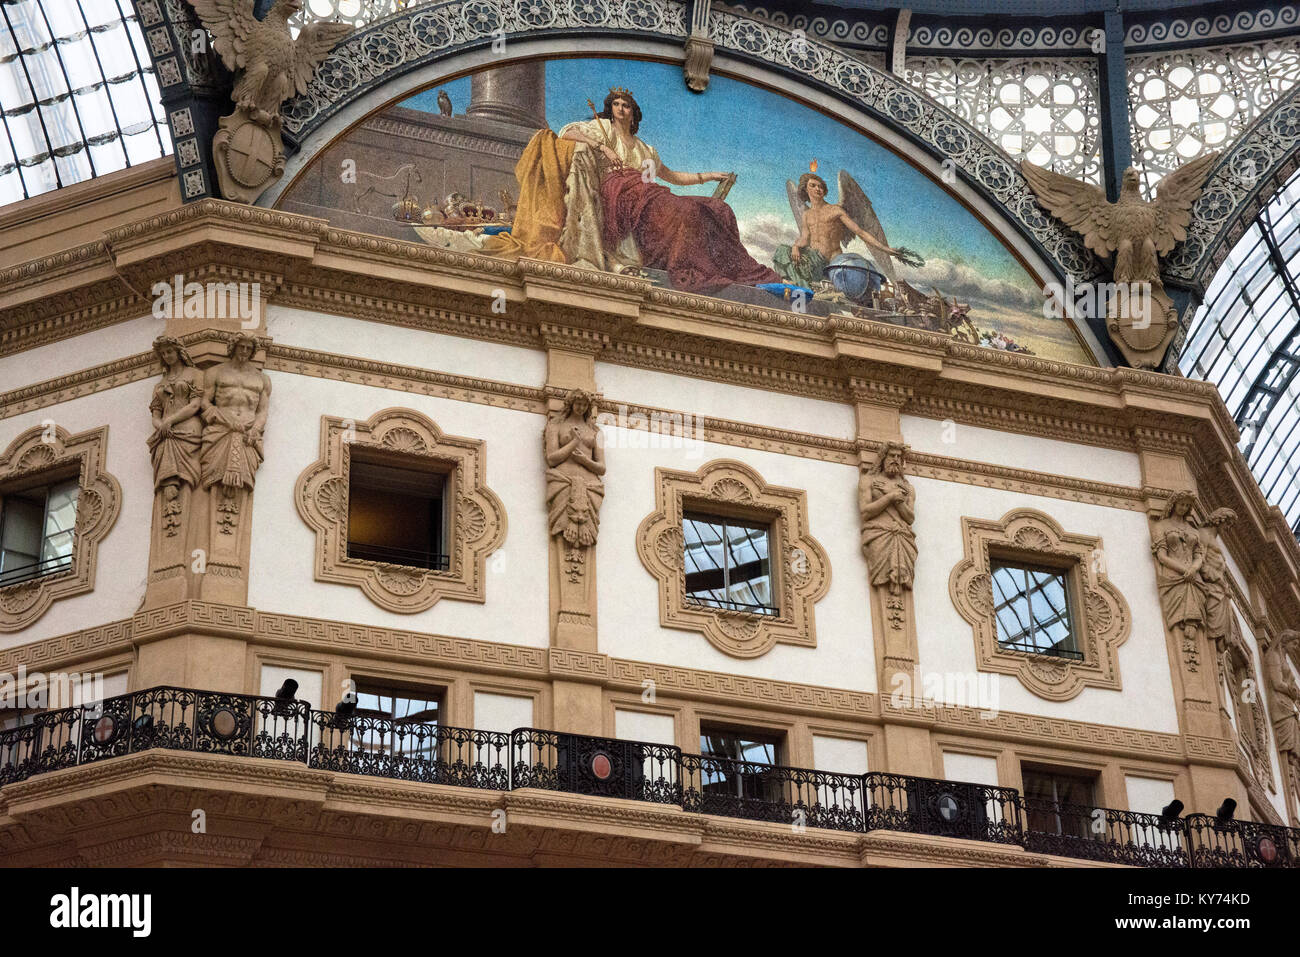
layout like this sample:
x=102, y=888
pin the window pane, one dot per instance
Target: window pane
x=396, y=515
x=20, y=535
x=1032, y=610
x=728, y=563
x=60, y=523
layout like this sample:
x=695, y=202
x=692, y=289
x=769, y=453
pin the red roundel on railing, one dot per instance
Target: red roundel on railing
x=601, y=766
x=104, y=729
x=1266, y=850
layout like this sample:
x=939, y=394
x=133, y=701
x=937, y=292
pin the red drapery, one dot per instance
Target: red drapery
x=694, y=238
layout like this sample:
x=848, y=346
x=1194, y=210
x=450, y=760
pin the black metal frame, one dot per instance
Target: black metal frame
x=184, y=719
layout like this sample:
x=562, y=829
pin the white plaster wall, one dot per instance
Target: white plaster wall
x=80, y=352
x=842, y=755
x=974, y=768
x=402, y=346
x=1147, y=795
x=679, y=393
x=1021, y=451
x=309, y=684
x=283, y=545
x=501, y=712
x=644, y=726
x=123, y=564
x=946, y=641
x=628, y=595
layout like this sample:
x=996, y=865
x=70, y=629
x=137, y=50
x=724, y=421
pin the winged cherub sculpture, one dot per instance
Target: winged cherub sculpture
x=269, y=67
x=1141, y=318
x=825, y=228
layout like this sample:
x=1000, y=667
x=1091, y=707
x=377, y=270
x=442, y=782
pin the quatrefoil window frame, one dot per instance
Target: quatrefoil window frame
x=407, y=439
x=1099, y=613
x=800, y=578
x=44, y=453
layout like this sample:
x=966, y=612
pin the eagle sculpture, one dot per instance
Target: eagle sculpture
x=1138, y=233
x=269, y=65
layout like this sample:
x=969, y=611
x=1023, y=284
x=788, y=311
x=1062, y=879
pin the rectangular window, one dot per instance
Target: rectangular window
x=1059, y=802
x=37, y=530
x=727, y=777
x=1032, y=607
x=403, y=721
x=728, y=563
x=398, y=515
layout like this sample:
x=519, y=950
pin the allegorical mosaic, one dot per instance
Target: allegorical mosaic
x=740, y=193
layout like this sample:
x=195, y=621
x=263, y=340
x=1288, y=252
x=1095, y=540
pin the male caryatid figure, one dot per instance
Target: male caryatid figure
x=1284, y=704
x=235, y=400
x=886, y=503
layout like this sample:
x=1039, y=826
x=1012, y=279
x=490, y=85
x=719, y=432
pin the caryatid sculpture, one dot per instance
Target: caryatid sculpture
x=174, y=444
x=269, y=67
x=1284, y=703
x=575, y=462
x=1179, y=553
x=887, y=507
x=236, y=399
x=1141, y=319
x=1214, y=575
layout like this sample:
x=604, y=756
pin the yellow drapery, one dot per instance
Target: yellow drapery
x=542, y=171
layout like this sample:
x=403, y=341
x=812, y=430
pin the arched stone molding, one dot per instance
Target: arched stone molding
x=478, y=525
x=1246, y=177
x=800, y=568
x=389, y=52
x=53, y=451
x=1100, y=616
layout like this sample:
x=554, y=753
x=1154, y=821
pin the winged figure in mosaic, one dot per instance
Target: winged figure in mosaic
x=1141, y=318
x=826, y=228
x=270, y=66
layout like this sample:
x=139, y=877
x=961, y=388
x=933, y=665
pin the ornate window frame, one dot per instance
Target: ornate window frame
x=478, y=525
x=802, y=574
x=50, y=449
x=1100, y=615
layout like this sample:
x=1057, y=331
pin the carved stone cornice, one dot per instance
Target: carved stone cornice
x=62, y=651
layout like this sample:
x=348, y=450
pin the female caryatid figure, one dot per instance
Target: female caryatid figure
x=1180, y=553
x=177, y=429
x=575, y=460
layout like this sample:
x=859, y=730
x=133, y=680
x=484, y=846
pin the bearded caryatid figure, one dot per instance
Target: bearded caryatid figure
x=575, y=462
x=887, y=508
x=236, y=401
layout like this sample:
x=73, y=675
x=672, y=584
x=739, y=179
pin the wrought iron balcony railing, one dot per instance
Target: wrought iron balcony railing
x=1104, y=834
x=182, y=719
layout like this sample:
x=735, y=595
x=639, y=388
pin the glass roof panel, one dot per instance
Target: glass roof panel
x=1245, y=339
x=78, y=97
